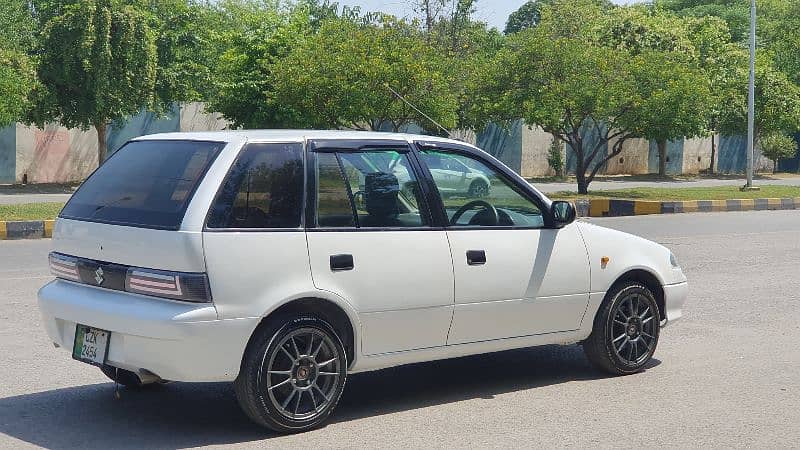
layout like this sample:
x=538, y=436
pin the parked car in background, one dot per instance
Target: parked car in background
x=453, y=175
x=284, y=261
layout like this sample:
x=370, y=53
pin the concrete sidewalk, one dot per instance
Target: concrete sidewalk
x=623, y=182
x=13, y=199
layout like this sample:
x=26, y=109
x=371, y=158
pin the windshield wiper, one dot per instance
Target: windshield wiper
x=102, y=207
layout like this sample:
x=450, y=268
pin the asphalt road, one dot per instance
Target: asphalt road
x=728, y=374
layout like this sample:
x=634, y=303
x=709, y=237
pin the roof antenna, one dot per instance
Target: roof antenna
x=417, y=110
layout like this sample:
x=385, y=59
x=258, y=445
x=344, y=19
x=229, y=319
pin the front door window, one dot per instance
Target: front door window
x=476, y=195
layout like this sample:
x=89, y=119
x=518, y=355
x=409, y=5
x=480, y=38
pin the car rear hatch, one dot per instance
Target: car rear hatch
x=126, y=218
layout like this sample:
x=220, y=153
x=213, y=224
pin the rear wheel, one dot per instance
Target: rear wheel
x=625, y=332
x=292, y=374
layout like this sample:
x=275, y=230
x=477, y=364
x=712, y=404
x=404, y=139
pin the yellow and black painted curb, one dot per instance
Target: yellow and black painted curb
x=605, y=207
x=26, y=229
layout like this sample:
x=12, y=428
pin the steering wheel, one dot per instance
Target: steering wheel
x=493, y=216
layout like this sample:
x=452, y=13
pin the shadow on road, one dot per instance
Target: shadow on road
x=180, y=415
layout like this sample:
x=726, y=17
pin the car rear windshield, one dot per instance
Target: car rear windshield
x=144, y=184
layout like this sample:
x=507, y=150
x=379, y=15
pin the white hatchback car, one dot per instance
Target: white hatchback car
x=286, y=260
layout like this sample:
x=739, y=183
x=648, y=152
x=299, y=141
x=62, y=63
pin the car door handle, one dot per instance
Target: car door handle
x=341, y=262
x=476, y=257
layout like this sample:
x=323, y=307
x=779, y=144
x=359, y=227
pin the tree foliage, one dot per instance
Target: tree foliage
x=257, y=38
x=777, y=99
x=340, y=77
x=678, y=105
x=97, y=65
x=16, y=68
x=185, y=45
x=16, y=82
x=777, y=145
x=527, y=16
x=613, y=78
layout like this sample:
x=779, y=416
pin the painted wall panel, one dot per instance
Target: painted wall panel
x=8, y=154
x=674, y=157
x=142, y=124
x=503, y=144
x=633, y=160
x=535, y=149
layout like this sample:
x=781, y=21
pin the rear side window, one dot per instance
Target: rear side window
x=263, y=189
x=144, y=184
x=368, y=189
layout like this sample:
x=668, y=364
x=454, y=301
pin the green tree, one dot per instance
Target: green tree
x=185, y=34
x=675, y=100
x=255, y=37
x=714, y=52
x=340, y=77
x=17, y=25
x=735, y=13
x=776, y=146
x=16, y=82
x=527, y=16
x=777, y=99
x=559, y=77
x=16, y=67
x=680, y=108
x=97, y=65
x=782, y=37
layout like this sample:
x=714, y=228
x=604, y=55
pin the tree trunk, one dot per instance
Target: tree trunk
x=583, y=184
x=713, y=153
x=580, y=169
x=662, y=157
x=102, y=147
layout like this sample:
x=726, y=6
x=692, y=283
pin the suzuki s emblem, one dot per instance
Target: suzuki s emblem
x=98, y=276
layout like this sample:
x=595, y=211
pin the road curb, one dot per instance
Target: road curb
x=604, y=207
x=26, y=229
x=600, y=207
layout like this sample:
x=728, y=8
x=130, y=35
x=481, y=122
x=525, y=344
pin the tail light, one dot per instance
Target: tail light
x=63, y=266
x=191, y=287
x=186, y=286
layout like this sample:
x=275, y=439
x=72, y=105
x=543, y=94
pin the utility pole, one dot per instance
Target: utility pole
x=751, y=98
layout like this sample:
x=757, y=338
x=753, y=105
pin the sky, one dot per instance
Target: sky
x=493, y=12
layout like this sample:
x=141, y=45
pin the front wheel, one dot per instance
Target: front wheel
x=625, y=332
x=292, y=374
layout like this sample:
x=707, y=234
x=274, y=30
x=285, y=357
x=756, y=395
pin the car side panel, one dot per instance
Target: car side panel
x=533, y=282
x=401, y=284
x=625, y=252
x=251, y=271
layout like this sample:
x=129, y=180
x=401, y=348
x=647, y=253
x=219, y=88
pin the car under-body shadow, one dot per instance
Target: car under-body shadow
x=179, y=415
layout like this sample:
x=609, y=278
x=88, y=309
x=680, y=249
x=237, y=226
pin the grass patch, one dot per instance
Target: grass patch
x=700, y=193
x=30, y=211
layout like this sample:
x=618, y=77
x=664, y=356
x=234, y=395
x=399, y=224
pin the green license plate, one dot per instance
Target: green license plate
x=91, y=345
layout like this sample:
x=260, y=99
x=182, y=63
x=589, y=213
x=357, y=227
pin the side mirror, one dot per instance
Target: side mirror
x=562, y=213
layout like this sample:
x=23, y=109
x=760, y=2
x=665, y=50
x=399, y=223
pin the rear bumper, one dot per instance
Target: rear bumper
x=674, y=298
x=174, y=340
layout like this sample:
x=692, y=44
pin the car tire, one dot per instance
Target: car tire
x=626, y=329
x=123, y=377
x=478, y=189
x=292, y=374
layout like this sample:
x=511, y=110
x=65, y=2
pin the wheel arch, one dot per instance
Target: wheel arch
x=328, y=310
x=649, y=280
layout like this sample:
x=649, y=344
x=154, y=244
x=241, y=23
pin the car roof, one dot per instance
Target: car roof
x=295, y=136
